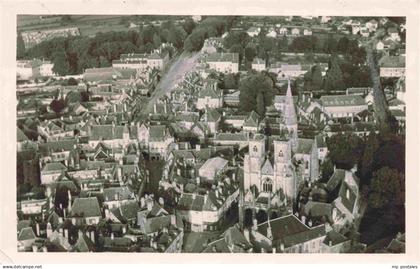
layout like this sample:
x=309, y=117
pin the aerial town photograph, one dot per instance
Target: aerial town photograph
x=210, y=134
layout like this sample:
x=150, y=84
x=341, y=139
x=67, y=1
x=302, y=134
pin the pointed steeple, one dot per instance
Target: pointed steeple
x=290, y=112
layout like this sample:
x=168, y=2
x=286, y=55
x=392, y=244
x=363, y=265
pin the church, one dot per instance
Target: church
x=271, y=173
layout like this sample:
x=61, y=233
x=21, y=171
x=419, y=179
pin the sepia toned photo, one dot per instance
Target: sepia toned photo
x=210, y=134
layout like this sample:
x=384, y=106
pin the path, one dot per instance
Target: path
x=185, y=63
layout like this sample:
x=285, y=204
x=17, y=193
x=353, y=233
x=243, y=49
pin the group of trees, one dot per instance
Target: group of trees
x=72, y=55
x=342, y=73
x=256, y=93
x=380, y=160
x=210, y=27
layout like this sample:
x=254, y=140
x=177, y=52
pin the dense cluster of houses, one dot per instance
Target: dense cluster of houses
x=99, y=177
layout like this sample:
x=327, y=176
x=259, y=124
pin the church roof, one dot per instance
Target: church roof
x=267, y=168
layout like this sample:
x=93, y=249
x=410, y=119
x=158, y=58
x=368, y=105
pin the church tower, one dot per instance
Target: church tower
x=253, y=161
x=290, y=119
x=283, y=173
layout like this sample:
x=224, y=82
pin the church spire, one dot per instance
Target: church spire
x=290, y=112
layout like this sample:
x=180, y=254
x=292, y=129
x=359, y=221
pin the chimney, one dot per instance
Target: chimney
x=92, y=236
x=282, y=246
x=303, y=219
x=79, y=233
x=124, y=229
x=69, y=198
x=310, y=223
x=269, y=231
x=49, y=230
x=106, y=213
x=254, y=224
x=37, y=229
x=246, y=234
x=161, y=201
x=150, y=203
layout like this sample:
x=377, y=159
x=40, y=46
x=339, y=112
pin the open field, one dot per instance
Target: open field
x=88, y=25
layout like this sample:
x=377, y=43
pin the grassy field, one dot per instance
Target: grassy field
x=88, y=25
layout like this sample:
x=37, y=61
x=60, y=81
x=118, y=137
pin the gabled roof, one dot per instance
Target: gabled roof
x=290, y=230
x=304, y=146
x=335, y=238
x=21, y=137
x=252, y=120
x=157, y=132
x=117, y=194
x=54, y=167
x=223, y=57
x=86, y=207
x=26, y=234
x=212, y=115
x=392, y=61
x=208, y=91
x=336, y=179
x=195, y=202
x=84, y=243
x=342, y=100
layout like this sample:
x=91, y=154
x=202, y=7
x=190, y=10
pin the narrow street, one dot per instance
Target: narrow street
x=380, y=104
x=174, y=75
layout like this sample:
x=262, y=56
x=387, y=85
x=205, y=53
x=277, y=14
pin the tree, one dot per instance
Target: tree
x=260, y=104
x=57, y=105
x=327, y=169
x=372, y=145
x=342, y=45
x=250, y=53
x=72, y=82
x=391, y=153
x=20, y=47
x=156, y=40
x=238, y=49
x=60, y=63
x=250, y=87
x=188, y=25
x=334, y=77
x=230, y=82
x=66, y=19
x=316, y=78
x=345, y=149
x=387, y=189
